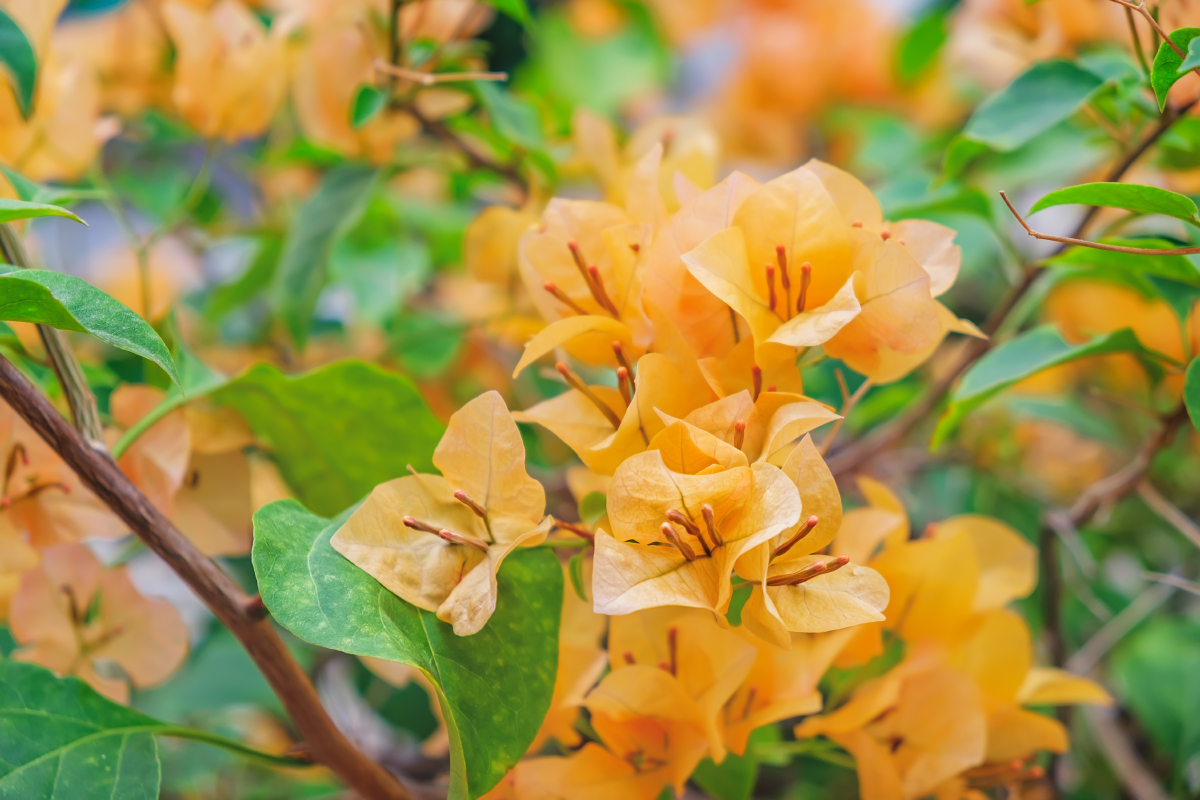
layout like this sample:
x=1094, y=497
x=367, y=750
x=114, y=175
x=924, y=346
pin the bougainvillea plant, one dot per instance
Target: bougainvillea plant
x=603, y=399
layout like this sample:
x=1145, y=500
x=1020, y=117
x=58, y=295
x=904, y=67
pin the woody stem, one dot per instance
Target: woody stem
x=216, y=589
x=70, y=375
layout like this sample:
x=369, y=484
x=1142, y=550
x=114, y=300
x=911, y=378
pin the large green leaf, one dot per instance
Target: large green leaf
x=1175, y=268
x=1038, y=99
x=1129, y=196
x=1167, y=63
x=17, y=54
x=1023, y=356
x=61, y=740
x=495, y=685
x=1191, y=392
x=301, y=272
x=918, y=49
x=337, y=431
x=72, y=304
x=734, y=778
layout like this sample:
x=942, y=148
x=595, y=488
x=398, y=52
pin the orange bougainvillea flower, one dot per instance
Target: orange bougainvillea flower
x=437, y=541
x=689, y=159
x=42, y=502
x=76, y=618
x=584, y=267
x=581, y=662
x=676, y=536
x=230, y=72
x=191, y=465
x=807, y=260
x=782, y=683
x=797, y=591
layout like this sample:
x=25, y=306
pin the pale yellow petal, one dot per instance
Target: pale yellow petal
x=1014, y=733
x=1046, y=686
x=818, y=325
x=720, y=264
x=854, y=200
x=590, y=338
x=483, y=454
x=933, y=247
x=1007, y=560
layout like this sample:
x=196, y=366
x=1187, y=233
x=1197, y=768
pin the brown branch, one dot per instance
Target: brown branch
x=852, y=456
x=474, y=157
x=216, y=589
x=66, y=367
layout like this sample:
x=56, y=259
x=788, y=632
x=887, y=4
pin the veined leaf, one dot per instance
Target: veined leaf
x=38, y=193
x=72, y=304
x=17, y=54
x=1023, y=356
x=1167, y=63
x=301, y=272
x=1038, y=99
x=337, y=431
x=495, y=686
x=1191, y=392
x=13, y=210
x=61, y=740
x=1176, y=268
x=1129, y=196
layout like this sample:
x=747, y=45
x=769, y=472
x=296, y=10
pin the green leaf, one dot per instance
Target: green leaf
x=517, y=9
x=1023, y=356
x=13, y=210
x=1191, y=392
x=38, y=193
x=1166, y=70
x=514, y=119
x=61, y=740
x=1155, y=672
x=333, y=208
x=495, y=686
x=1175, y=268
x=918, y=50
x=1193, y=58
x=1038, y=99
x=734, y=778
x=1129, y=196
x=17, y=54
x=947, y=200
x=337, y=431
x=368, y=102
x=249, y=284
x=575, y=570
x=71, y=304
x=593, y=507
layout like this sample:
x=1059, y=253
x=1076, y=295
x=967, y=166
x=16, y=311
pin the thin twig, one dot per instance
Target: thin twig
x=851, y=457
x=1114, y=248
x=1165, y=509
x=1087, y=657
x=216, y=589
x=431, y=78
x=1139, y=781
x=1137, y=42
x=66, y=367
x=1173, y=580
x=847, y=406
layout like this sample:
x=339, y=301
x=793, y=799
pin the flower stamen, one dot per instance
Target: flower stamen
x=561, y=296
x=809, y=572
x=771, y=286
x=710, y=522
x=619, y=352
x=739, y=433
x=805, y=280
x=598, y=292
x=623, y=385
x=676, y=542
x=576, y=383
x=691, y=527
x=466, y=500
x=756, y=376
x=446, y=535
x=809, y=524
x=784, y=278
